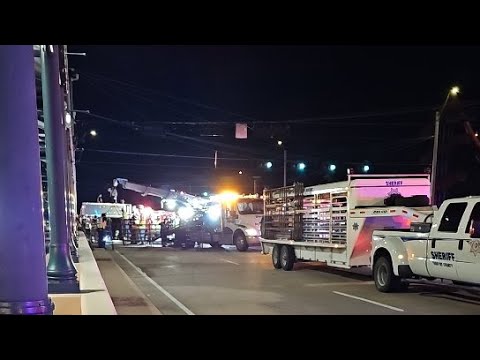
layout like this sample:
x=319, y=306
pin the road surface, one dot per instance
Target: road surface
x=227, y=282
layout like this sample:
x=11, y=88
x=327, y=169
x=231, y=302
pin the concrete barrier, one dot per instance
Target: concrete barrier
x=94, y=298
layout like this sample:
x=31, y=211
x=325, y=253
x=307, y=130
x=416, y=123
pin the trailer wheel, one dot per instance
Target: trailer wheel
x=383, y=276
x=276, y=257
x=240, y=241
x=287, y=257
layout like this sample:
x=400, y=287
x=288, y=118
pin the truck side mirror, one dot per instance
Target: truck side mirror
x=475, y=229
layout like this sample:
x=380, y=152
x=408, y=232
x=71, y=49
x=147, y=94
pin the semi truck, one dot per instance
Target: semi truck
x=333, y=223
x=445, y=245
x=241, y=219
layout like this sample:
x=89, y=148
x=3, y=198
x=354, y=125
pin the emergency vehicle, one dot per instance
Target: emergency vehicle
x=223, y=219
x=446, y=245
x=333, y=223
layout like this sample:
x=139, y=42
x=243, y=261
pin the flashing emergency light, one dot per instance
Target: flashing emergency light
x=170, y=204
x=226, y=196
x=185, y=213
x=214, y=212
x=146, y=211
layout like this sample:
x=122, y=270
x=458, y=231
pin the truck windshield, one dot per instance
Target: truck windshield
x=250, y=206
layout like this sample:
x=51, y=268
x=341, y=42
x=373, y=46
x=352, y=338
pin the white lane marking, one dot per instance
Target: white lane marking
x=229, y=261
x=341, y=283
x=369, y=301
x=165, y=292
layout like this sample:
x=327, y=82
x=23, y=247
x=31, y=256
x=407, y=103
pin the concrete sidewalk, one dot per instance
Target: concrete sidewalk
x=126, y=296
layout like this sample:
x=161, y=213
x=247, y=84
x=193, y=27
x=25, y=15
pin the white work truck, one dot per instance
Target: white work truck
x=242, y=216
x=446, y=245
x=333, y=223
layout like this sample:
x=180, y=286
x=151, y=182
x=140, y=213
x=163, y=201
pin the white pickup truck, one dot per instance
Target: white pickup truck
x=445, y=246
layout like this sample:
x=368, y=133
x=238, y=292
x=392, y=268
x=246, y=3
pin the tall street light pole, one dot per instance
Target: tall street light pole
x=453, y=92
x=61, y=272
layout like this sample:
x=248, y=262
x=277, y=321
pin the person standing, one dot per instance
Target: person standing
x=102, y=226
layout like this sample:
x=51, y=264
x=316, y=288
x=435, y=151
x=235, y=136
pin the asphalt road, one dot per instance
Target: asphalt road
x=226, y=282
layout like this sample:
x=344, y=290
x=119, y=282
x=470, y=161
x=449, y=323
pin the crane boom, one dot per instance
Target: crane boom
x=142, y=189
x=192, y=200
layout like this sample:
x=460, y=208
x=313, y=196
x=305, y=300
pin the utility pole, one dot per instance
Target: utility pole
x=23, y=280
x=435, y=158
x=61, y=271
x=440, y=131
x=284, y=167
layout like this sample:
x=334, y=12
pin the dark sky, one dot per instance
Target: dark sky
x=343, y=87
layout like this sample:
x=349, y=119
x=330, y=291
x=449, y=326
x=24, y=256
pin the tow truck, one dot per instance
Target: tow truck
x=445, y=245
x=222, y=219
x=198, y=223
x=333, y=223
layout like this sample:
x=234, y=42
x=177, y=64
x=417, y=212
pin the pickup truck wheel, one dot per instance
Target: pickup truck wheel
x=287, y=257
x=383, y=276
x=276, y=257
x=240, y=241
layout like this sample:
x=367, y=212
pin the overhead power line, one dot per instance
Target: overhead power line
x=159, y=165
x=167, y=155
x=176, y=98
x=324, y=120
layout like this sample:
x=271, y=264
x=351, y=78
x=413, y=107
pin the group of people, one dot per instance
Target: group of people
x=96, y=228
x=134, y=229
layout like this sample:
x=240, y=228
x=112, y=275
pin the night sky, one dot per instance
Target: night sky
x=370, y=104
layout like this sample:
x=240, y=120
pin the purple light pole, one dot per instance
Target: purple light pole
x=23, y=279
x=60, y=269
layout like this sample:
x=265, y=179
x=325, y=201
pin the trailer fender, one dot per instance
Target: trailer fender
x=392, y=246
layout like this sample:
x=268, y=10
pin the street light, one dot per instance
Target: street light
x=453, y=92
x=366, y=168
x=279, y=142
x=301, y=166
x=93, y=132
x=332, y=167
x=268, y=165
x=240, y=172
x=68, y=118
